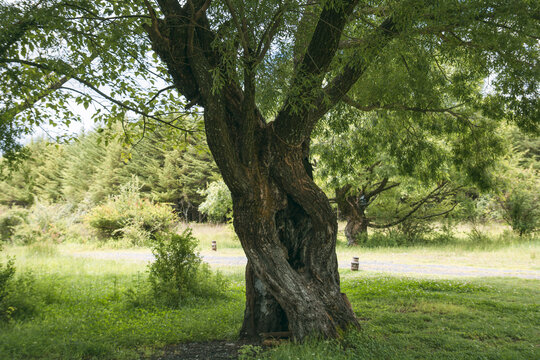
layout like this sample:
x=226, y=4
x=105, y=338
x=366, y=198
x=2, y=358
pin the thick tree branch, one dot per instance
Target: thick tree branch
x=342, y=83
x=303, y=28
x=293, y=124
x=292, y=121
x=202, y=10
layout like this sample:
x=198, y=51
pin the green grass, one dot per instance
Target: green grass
x=405, y=318
x=82, y=308
x=79, y=308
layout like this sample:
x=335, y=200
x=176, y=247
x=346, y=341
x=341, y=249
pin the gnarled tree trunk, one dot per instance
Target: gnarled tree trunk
x=353, y=208
x=356, y=229
x=283, y=220
x=288, y=231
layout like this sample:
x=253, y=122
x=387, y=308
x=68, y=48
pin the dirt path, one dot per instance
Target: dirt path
x=375, y=266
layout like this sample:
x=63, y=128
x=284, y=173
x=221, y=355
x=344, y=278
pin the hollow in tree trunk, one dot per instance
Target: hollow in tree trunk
x=288, y=231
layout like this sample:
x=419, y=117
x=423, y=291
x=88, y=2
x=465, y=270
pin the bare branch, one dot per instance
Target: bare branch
x=159, y=93
x=415, y=208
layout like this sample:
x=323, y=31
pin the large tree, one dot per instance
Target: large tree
x=265, y=73
x=412, y=176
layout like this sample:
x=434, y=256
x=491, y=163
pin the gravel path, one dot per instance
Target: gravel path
x=376, y=266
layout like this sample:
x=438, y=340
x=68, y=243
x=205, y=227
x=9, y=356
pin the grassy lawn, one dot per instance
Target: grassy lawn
x=85, y=308
x=70, y=307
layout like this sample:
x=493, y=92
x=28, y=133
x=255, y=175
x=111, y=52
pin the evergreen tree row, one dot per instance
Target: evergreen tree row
x=94, y=166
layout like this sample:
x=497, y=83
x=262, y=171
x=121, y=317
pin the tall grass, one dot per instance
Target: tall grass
x=223, y=234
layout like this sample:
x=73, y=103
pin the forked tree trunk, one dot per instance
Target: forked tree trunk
x=288, y=231
x=284, y=221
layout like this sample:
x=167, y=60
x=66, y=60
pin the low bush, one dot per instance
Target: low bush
x=6, y=274
x=9, y=220
x=178, y=273
x=409, y=236
x=413, y=231
x=392, y=238
x=52, y=223
x=130, y=216
x=521, y=210
x=218, y=203
x=20, y=300
x=16, y=299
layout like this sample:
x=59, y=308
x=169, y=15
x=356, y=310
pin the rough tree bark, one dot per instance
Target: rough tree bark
x=283, y=220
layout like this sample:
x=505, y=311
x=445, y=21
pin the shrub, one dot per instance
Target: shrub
x=444, y=236
x=41, y=222
x=381, y=239
x=20, y=299
x=9, y=220
x=480, y=209
x=131, y=216
x=173, y=271
x=477, y=237
x=413, y=233
x=218, y=203
x=6, y=274
x=521, y=209
x=177, y=272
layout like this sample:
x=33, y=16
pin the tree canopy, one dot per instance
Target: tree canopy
x=442, y=54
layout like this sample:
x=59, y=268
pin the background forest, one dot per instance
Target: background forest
x=81, y=186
